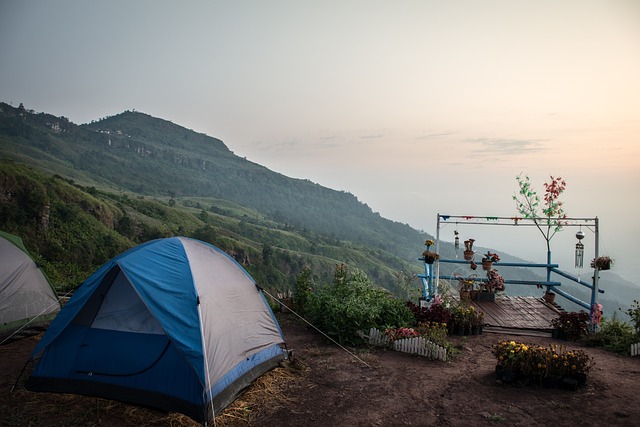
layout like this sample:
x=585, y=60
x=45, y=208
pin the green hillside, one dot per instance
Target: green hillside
x=71, y=230
x=137, y=153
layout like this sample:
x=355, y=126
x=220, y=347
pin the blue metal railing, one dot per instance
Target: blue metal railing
x=430, y=289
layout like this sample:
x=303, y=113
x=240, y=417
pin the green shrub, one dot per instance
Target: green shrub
x=353, y=304
x=614, y=335
x=634, y=314
x=302, y=291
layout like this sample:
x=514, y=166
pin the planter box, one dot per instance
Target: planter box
x=486, y=296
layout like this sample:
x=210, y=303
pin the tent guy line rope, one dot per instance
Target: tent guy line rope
x=21, y=328
x=308, y=323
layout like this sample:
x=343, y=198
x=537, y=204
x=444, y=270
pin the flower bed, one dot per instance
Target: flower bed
x=552, y=366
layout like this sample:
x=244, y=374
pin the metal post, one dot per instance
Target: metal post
x=437, y=251
x=548, y=269
x=596, y=276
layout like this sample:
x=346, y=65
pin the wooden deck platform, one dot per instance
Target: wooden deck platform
x=520, y=315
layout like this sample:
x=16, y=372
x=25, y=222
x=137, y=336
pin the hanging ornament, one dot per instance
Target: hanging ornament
x=579, y=249
x=456, y=242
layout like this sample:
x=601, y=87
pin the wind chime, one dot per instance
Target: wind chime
x=456, y=244
x=579, y=249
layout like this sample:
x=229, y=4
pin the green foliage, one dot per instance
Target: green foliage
x=613, y=335
x=302, y=291
x=634, y=314
x=353, y=304
x=572, y=325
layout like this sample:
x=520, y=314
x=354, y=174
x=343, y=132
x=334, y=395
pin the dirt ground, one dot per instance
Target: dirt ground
x=325, y=385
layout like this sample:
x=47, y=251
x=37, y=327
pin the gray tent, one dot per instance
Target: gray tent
x=27, y=301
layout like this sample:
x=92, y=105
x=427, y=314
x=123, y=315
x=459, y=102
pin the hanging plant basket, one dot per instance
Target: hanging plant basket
x=468, y=255
x=487, y=265
x=602, y=263
x=430, y=257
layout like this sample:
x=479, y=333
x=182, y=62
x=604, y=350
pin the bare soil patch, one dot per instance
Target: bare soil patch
x=324, y=385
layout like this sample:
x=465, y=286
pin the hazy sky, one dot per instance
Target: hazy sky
x=415, y=107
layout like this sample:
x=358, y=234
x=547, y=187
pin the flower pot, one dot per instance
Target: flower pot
x=465, y=296
x=487, y=265
x=474, y=295
x=468, y=255
x=549, y=297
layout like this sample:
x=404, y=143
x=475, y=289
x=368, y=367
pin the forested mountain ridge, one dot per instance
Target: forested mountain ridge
x=135, y=152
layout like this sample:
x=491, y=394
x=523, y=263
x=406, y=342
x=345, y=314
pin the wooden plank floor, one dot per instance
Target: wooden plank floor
x=513, y=313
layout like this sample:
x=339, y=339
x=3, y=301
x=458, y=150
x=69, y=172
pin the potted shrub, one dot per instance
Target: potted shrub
x=549, y=296
x=430, y=257
x=465, y=285
x=553, y=366
x=494, y=284
x=488, y=259
x=571, y=325
x=468, y=249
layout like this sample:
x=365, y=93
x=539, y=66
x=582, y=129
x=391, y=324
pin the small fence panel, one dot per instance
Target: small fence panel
x=416, y=345
x=635, y=349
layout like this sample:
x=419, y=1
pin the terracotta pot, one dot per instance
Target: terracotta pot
x=468, y=255
x=549, y=297
x=465, y=295
x=474, y=295
x=487, y=265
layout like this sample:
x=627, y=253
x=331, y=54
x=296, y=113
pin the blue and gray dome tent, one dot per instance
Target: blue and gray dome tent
x=28, y=302
x=175, y=324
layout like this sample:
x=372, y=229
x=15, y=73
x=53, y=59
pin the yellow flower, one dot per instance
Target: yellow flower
x=512, y=343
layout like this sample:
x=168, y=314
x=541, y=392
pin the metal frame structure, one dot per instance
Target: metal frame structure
x=430, y=288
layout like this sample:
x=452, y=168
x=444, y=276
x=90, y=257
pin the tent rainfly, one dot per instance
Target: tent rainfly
x=28, y=303
x=175, y=324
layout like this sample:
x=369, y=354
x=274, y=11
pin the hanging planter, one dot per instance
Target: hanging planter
x=430, y=257
x=602, y=263
x=487, y=265
x=468, y=249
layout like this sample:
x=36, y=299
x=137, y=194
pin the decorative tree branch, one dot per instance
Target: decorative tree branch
x=552, y=212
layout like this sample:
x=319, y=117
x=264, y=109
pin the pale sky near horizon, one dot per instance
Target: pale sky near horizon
x=415, y=107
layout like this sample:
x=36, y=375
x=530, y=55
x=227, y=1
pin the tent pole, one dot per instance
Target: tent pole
x=20, y=375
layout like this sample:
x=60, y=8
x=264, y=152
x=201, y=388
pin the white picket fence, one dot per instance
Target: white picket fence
x=415, y=345
x=635, y=349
